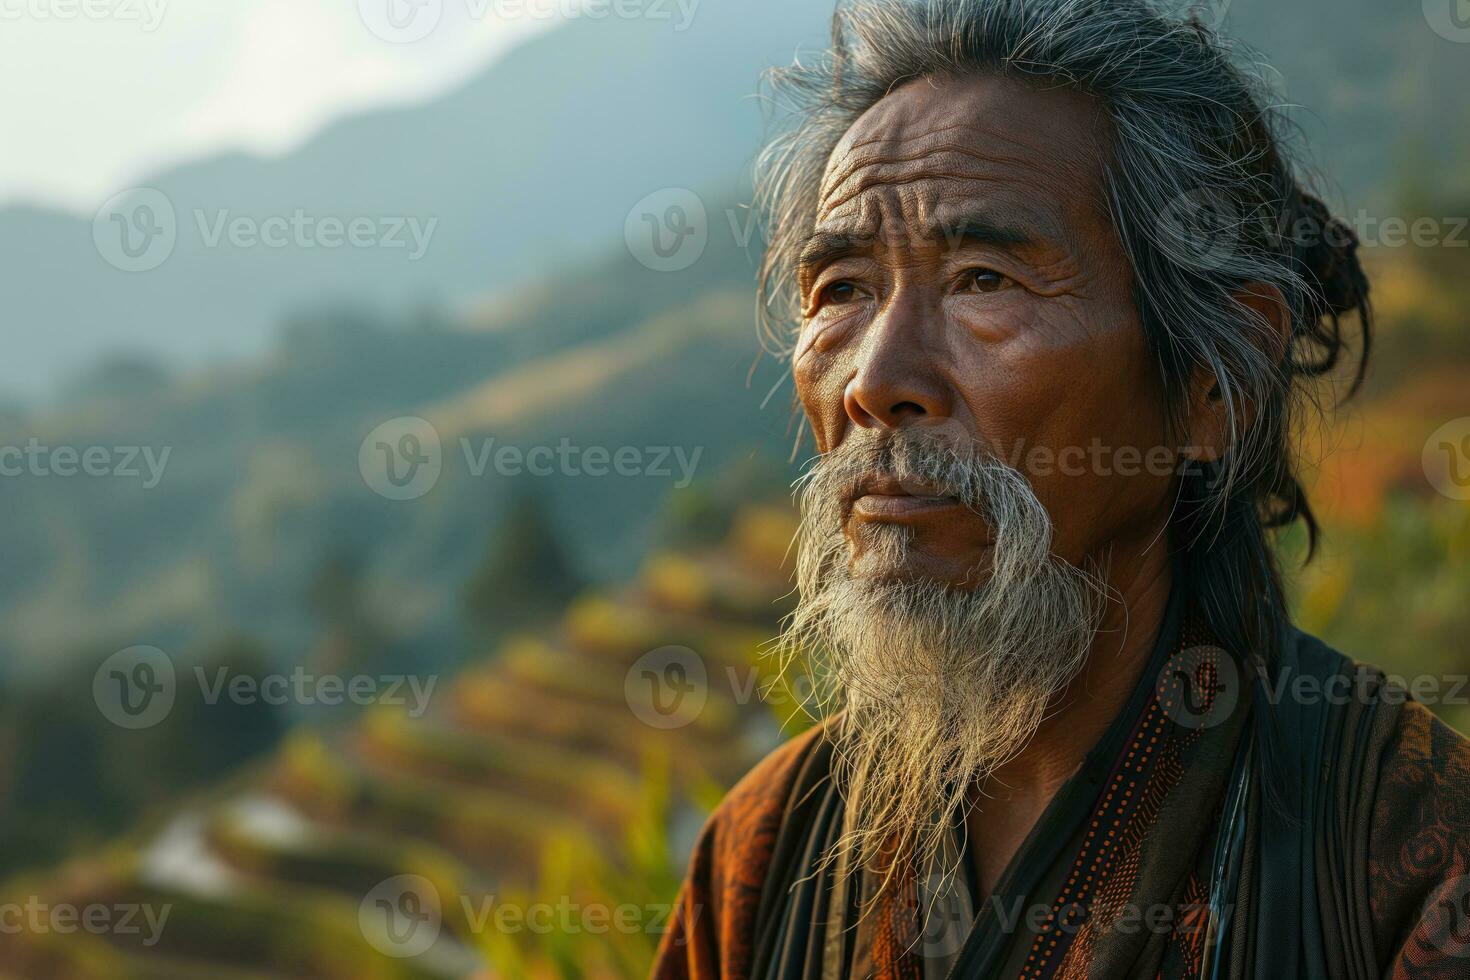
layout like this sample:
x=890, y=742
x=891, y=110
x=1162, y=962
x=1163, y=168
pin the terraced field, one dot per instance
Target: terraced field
x=532, y=823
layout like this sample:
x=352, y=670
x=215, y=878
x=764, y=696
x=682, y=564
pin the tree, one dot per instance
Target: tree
x=525, y=575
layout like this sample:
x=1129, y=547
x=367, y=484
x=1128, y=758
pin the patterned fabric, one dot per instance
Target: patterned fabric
x=1103, y=883
x=1419, y=852
x=1391, y=896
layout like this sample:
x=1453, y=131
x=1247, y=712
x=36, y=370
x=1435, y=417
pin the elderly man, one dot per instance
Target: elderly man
x=1059, y=297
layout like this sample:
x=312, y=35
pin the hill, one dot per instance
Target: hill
x=530, y=169
x=555, y=780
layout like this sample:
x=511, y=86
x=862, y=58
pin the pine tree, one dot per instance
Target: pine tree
x=525, y=575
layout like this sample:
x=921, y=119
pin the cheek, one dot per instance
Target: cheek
x=1111, y=485
x=819, y=377
x=1078, y=411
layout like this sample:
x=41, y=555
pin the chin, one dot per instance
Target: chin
x=918, y=566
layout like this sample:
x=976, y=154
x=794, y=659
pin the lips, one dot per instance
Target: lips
x=889, y=507
x=882, y=498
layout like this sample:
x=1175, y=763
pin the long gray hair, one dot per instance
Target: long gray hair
x=1205, y=199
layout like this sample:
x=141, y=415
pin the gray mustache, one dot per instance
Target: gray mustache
x=965, y=470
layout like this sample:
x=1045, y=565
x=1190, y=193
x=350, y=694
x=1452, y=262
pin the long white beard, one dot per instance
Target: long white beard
x=940, y=685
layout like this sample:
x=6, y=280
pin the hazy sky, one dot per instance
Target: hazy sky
x=101, y=92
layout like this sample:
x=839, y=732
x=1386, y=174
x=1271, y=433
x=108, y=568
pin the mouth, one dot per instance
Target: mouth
x=885, y=499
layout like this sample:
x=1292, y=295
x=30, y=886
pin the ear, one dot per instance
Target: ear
x=1209, y=420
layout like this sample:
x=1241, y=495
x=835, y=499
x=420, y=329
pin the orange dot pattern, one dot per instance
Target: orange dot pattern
x=1104, y=875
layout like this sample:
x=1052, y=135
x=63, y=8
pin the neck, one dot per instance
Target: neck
x=1013, y=798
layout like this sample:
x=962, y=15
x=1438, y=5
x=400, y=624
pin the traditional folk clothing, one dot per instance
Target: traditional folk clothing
x=1221, y=828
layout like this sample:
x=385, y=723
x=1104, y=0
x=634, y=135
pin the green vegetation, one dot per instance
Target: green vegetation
x=500, y=810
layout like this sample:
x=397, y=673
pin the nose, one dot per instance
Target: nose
x=897, y=380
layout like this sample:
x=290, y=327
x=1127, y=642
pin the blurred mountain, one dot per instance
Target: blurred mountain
x=228, y=492
x=523, y=172
x=537, y=162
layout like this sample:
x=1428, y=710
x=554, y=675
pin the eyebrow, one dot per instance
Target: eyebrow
x=821, y=248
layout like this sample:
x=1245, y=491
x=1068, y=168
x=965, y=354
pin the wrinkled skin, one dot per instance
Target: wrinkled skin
x=963, y=274
x=1023, y=336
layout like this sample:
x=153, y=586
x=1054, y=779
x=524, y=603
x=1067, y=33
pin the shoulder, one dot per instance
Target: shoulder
x=741, y=831
x=1413, y=771
x=1426, y=769
x=1406, y=811
x=1406, y=804
x=1419, y=844
x=1421, y=809
x=713, y=928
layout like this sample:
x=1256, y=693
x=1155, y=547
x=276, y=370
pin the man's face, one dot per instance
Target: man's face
x=964, y=277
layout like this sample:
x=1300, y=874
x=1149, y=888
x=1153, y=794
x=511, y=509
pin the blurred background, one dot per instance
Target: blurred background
x=396, y=499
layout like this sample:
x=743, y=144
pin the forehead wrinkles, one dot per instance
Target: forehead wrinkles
x=914, y=216
x=885, y=210
x=959, y=150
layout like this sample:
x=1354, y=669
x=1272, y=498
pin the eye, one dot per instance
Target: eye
x=984, y=280
x=838, y=292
